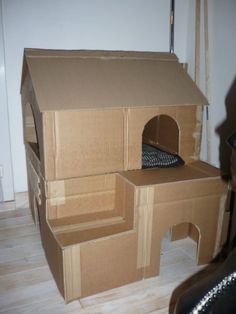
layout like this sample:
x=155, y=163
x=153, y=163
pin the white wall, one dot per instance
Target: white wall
x=223, y=73
x=80, y=24
x=5, y=151
x=222, y=52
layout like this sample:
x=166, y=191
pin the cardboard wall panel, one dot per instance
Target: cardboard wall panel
x=81, y=185
x=81, y=204
x=114, y=265
x=98, y=255
x=168, y=134
x=86, y=142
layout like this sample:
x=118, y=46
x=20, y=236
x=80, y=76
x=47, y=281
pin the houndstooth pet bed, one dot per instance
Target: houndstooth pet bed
x=153, y=157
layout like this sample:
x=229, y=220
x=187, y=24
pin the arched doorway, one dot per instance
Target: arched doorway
x=160, y=143
x=162, y=131
x=183, y=250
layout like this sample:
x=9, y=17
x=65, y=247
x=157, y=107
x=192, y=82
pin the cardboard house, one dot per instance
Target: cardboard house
x=101, y=216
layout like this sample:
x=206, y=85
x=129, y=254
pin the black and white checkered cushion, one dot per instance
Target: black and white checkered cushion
x=153, y=157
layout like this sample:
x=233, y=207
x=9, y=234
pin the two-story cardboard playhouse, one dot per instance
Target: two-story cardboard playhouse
x=102, y=217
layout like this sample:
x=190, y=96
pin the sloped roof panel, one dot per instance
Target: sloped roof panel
x=72, y=80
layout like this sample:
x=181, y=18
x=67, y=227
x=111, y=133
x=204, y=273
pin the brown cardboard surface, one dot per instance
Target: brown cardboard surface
x=84, y=143
x=81, y=186
x=80, y=204
x=114, y=265
x=193, y=171
x=84, y=114
x=145, y=203
x=59, y=224
x=155, y=133
x=51, y=247
x=85, y=111
x=63, y=82
x=185, y=137
x=168, y=175
x=72, y=197
x=86, y=257
x=108, y=54
x=181, y=231
x=203, y=212
x=72, y=272
x=104, y=224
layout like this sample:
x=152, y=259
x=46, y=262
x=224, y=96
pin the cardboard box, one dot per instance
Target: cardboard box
x=102, y=218
x=93, y=252
x=87, y=111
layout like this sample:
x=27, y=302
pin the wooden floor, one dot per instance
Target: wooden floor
x=27, y=286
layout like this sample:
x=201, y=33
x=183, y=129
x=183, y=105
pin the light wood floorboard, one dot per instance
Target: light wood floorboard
x=27, y=286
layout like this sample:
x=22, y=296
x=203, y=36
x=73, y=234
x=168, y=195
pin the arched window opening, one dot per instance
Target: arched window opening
x=30, y=131
x=160, y=143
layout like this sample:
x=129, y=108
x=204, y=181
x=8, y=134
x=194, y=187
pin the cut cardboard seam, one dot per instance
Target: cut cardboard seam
x=145, y=229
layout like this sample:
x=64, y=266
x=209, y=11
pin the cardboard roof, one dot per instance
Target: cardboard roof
x=70, y=80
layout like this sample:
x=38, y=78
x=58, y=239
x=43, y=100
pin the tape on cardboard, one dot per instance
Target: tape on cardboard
x=126, y=138
x=72, y=272
x=198, y=133
x=56, y=192
x=34, y=181
x=145, y=216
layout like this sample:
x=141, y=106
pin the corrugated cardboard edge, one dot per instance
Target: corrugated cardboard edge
x=34, y=182
x=100, y=54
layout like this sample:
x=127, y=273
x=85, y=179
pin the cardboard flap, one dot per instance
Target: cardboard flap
x=72, y=80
